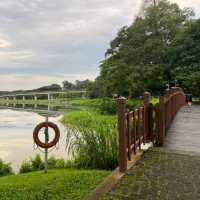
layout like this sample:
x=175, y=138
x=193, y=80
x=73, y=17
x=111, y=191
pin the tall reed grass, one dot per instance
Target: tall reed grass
x=91, y=139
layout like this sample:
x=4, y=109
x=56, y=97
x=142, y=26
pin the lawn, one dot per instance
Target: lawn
x=69, y=184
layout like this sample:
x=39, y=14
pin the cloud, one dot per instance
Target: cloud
x=4, y=43
x=53, y=37
x=194, y=4
x=27, y=81
x=48, y=38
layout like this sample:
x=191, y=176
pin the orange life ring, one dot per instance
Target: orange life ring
x=44, y=125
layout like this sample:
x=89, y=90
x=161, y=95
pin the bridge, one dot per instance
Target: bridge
x=170, y=170
x=35, y=95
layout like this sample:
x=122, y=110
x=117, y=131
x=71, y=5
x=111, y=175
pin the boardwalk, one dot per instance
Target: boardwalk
x=160, y=175
x=169, y=173
x=184, y=133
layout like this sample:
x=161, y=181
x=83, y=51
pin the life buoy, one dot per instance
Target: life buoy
x=44, y=125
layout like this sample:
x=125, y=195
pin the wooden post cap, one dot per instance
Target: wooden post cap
x=121, y=100
x=147, y=98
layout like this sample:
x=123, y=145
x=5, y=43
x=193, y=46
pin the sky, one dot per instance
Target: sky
x=48, y=41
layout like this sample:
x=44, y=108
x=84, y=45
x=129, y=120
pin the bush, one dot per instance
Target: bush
x=70, y=164
x=37, y=163
x=91, y=139
x=25, y=167
x=56, y=163
x=134, y=103
x=5, y=168
x=108, y=106
x=51, y=162
x=60, y=163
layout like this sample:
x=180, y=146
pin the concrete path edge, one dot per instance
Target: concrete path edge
x=111, y=180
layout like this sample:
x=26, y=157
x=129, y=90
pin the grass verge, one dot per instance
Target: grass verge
x=69, y=184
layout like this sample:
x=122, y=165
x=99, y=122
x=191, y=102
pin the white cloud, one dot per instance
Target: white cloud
x=15, y=56
x=194, y=4
x=4, y=43
x=26, y=81
x=50, y=37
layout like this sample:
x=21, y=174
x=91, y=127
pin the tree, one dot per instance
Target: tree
x=53, y=87
x=185, y=56
x=81, y=85
x=138, y=58
x=68, y=86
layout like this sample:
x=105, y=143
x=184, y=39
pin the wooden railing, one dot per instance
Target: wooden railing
x=145, y=123
x=169, y=105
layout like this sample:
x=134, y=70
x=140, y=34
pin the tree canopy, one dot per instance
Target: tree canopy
x=154, y=50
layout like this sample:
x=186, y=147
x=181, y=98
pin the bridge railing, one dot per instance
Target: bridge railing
x=148, y=122
x=169, y=105
x=131, y=132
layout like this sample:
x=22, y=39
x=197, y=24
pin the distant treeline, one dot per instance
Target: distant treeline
x=66, y=86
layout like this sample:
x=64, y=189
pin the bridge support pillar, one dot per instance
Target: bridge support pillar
x=35, y=98
x=49, y=96
x=24, y=98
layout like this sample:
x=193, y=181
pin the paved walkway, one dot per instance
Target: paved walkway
x=184, y=133
x=169, y=173
x=161, y=174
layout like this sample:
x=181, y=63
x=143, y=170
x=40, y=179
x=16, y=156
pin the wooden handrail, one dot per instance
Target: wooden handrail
x=145, y=123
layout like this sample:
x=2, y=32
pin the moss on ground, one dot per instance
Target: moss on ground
x=160, y=175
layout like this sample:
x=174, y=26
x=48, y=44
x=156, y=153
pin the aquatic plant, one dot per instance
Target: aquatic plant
x=91, y=139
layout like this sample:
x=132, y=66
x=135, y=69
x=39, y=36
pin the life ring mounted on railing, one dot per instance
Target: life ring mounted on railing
x=46, y=145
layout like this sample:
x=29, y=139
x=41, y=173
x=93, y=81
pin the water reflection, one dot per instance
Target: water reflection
x=16, y=127
x=36, y=107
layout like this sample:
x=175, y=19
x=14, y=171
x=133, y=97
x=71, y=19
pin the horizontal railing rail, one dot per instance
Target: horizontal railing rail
x=146, y=123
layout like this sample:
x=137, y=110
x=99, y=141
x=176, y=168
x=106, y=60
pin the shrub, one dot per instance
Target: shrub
x=91, y=139
x=108, y=106
x=25, y=167
x=60, y=163
x=70, y=164
x=37, y=163
x=51, y=162
x=133, y=103
x=5, y=168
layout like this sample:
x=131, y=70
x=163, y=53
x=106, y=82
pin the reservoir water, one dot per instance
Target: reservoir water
x=16, y=139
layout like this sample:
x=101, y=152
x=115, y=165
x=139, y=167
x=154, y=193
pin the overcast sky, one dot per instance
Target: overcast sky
x=48, y=41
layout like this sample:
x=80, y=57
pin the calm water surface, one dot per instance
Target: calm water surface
x=16, y=139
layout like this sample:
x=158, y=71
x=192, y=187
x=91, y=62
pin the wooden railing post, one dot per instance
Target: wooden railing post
x=147, y=116
x=161, y=120
x=122, y=154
